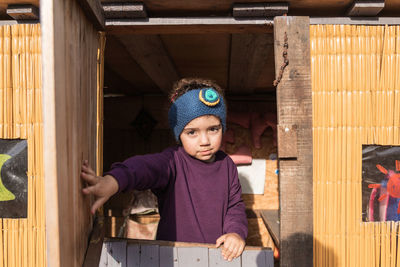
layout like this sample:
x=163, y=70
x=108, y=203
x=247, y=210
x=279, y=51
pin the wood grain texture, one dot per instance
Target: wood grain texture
x=70, y=44
x=116, y=254
x=94, y=12
x=124, y=10
x=149, y=52
x=294, y=108
x=23, y=12
x=250, y=52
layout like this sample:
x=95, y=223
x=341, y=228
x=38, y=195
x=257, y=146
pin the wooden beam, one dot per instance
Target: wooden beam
x=196, y=25
x=260, y=10
x=356, y=20
x=294, y=107
x=119, y=60
x=92, y=257
x=149, y=52
x=249, y=52
x=23, y=12
x=366, y=8
x=124, y=10
x=94, y=12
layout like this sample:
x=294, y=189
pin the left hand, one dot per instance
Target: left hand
x=233, y=245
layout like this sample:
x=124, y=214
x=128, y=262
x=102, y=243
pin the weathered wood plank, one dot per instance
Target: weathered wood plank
x=149, y=256
x=133, y=255
x=169, y=256
x=271, y=220
x=69, y=132
x=94, y=12
x=124, y=10
x=269, y=258
x=366, y=8
x=196, y=25
x=116, y=254
x=193, y=256
x=96, y=245
x=249, y=52
x=295, y=108
x=260, y=10
x=253, y=258
x=149, y=52
x=215, y=259
x=23, y=12
x=103, y=257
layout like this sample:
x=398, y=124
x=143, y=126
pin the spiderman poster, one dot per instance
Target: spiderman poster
x=381, y=183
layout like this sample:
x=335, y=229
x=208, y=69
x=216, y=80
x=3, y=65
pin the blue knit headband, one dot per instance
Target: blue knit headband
x=193, y=104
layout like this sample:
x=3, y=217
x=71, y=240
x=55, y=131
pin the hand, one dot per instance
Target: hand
x=101, y=187
x=233, y=245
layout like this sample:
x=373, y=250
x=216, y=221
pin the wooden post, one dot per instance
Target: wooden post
x=69, y=55
x=295, y=114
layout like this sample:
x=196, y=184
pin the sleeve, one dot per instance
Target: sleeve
x=235, y=219
x=152, y=171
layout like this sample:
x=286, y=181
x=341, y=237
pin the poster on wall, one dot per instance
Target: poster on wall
x=13, y=178
x=380, y=183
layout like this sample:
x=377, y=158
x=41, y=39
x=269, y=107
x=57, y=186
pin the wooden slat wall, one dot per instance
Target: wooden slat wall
x=295, y=108
x=70, y=46
x=123, y=253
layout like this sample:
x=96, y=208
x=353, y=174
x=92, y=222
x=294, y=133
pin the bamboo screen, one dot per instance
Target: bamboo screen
x=22, y=241
x=356, y=100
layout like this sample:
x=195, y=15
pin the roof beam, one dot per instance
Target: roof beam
x=260, y=10
x=249, y=52
x=195, y=25
x=124, y=10
x=366, y=8
x=23, y=12
x=94, y=12
x=149, y=52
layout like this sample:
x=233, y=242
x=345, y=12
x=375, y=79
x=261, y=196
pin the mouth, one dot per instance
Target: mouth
x=206, y=152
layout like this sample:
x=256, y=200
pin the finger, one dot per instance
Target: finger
x=91, y=179
x=240, y=251
x=231, y=252
x=97, y=204
x=89, y=190
x=220, y=240
x=88, y=170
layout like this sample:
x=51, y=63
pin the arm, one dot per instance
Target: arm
x=235, y=222
x=141, y=172
x=150, y=171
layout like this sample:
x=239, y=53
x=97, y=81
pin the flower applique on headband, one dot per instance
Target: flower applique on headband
x=209, y=97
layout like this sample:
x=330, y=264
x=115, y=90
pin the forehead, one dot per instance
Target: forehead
x=203, y=121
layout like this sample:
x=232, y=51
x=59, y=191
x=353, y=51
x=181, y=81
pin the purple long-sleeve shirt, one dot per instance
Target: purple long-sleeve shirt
x=198, y=201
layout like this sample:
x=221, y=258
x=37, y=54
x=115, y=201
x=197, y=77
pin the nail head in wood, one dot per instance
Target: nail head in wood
x=260, y=10
x=124, y=10
x=366, y=8
x=23, y=12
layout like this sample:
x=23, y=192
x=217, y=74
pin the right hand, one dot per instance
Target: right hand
x=102, y=187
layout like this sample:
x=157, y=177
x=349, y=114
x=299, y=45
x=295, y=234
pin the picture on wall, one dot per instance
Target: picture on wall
x=13, y=178
x=380, y=183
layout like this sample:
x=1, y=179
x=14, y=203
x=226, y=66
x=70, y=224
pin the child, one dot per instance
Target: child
x=196, y=184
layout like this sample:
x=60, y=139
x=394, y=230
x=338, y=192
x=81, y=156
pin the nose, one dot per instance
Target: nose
x=204, y=139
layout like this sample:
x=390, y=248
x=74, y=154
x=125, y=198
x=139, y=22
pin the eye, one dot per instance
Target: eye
x=215, y=128
x=191, y=132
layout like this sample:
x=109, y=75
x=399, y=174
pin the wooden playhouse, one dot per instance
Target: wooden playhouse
x=88, y=80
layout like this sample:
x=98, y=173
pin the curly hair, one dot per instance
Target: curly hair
x=186, y=84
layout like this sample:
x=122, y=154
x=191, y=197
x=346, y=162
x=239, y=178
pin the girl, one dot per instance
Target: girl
x=196, y=184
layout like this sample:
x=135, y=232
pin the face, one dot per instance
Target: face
x=201, y=138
